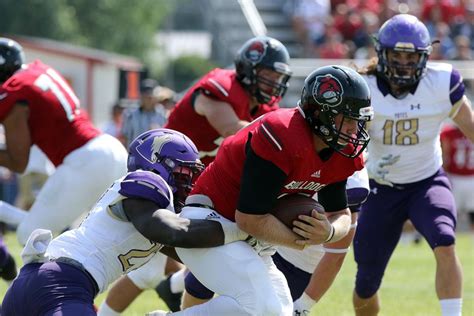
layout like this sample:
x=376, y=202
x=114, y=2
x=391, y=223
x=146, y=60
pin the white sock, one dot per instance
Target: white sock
x=10, y=214
x=177, y=281
x=451, y=307
x=105, y=310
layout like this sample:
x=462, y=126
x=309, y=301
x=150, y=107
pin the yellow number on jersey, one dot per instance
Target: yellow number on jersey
x=405, y=132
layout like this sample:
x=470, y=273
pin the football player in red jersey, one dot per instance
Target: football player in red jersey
x=218, y=105
x=458, y=161
x=312, y=148
x=225, y=100
x=37, y=106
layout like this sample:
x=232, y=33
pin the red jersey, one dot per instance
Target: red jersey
x=57, y=124
x=284, y=138
x=219, y=84
x=460, y=151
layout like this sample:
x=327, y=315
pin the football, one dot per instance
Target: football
x=288, y=207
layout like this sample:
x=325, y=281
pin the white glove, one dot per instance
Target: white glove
x=261, y=247
x=36, y=246
x=302, y=306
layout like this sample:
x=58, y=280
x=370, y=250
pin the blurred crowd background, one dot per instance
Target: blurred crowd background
x=343, y=28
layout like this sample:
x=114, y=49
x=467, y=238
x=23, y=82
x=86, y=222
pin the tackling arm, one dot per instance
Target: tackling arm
x=165, y=227
x=17, y=137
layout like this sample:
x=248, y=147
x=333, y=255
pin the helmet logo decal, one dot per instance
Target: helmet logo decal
x=256, y=51
x=328, y=91
x=157, y=146
x=2, y=60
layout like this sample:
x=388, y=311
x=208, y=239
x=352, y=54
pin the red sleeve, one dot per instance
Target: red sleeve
x=216, y=87
x=11, y=92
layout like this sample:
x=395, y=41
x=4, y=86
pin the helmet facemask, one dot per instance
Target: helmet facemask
x=333, y=134
x=400, y=75
x=181, y=179
x=402, y=33
x=269, y=85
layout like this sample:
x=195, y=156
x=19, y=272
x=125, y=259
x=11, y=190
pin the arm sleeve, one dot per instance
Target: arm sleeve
x=333, y=196
x=261, y=184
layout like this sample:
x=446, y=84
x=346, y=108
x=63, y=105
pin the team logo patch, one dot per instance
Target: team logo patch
x=328, y=91
x=256, y=51
x=158, y=143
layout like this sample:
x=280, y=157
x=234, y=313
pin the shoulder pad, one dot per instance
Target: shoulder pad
x=146, y=185
x=217, y=84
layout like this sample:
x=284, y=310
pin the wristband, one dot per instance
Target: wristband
x=331, y=234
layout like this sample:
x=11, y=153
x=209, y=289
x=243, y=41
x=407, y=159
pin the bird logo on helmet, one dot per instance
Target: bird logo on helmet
x=328, y=91
x=255, y=52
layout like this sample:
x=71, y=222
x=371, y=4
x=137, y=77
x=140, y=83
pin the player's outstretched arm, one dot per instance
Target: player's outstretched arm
x=165, y=227
x=17, y=137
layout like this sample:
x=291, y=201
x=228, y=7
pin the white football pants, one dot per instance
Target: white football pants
x=246, y=283
x=75, y=185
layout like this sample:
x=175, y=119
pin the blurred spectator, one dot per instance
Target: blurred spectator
x=464, y=24
x=393, y=7
x=436, y=10
x=333, y=48
x=114, y=125
x=446, y=44
x=463, y=48
x=167, y=98
x=308, y=19
x=348, y=21
x=147, y=116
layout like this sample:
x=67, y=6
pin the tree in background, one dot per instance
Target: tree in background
x=120, y=26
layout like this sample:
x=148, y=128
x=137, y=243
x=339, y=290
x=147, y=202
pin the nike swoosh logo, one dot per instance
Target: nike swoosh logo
x=3, y=96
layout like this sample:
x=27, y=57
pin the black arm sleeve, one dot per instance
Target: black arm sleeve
x=333, y=196
x=164, y=227
x=261, y=182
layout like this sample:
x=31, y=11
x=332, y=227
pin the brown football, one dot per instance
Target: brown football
x=288, y=207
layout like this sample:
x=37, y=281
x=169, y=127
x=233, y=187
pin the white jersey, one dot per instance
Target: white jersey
x=405, y=145
x=107, y=245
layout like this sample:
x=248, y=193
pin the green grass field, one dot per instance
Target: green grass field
x=407, y=290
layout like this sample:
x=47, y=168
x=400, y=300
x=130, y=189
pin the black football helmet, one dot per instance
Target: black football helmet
x=263, y=52
x=330, y=91
x=11, y=58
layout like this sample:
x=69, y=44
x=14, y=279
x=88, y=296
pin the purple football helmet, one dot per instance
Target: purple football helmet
x=403, y=33
x=170, y=154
